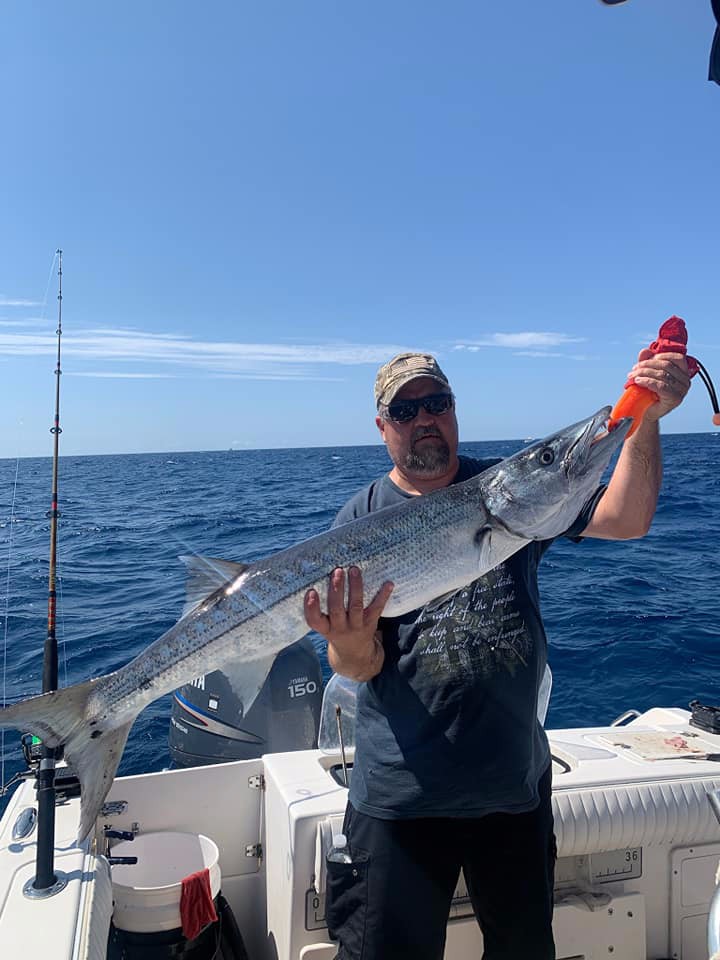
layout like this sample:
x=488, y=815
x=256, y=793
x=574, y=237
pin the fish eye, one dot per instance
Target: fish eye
x=546, y=456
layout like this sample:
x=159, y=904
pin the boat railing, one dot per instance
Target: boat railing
x=714, y=915
x=628, y=715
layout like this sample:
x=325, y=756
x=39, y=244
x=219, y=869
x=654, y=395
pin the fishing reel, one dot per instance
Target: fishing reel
x=32, y=750
x=66, y=784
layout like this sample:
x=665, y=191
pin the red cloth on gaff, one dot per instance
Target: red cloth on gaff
x=673, y=338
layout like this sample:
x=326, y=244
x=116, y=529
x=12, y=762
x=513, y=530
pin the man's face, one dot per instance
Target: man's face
x=425, y=446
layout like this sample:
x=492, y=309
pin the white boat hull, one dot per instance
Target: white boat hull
x=638, y=848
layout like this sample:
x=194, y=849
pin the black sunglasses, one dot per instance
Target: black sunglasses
x=403, y=411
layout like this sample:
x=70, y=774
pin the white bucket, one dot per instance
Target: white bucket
x=147, y=894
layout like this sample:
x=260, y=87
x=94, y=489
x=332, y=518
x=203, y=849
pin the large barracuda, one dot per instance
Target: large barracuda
x=428, y=546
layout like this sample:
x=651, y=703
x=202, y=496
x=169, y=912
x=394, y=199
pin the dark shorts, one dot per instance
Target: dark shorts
x=392, y=902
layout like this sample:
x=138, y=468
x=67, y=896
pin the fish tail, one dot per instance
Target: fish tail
x=92, y=746
x=96, y=764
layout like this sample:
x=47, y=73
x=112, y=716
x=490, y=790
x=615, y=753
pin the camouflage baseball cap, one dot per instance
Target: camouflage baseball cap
x=401, y=370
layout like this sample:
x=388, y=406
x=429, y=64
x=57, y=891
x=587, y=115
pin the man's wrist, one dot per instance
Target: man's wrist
x=361, y=666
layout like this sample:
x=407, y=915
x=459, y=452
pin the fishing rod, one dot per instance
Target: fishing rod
x=50, y=653
x=46, y=882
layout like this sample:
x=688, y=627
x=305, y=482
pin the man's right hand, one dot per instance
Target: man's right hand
x=354, y=646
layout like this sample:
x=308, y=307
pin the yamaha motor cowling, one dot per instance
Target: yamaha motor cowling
x=207, y=724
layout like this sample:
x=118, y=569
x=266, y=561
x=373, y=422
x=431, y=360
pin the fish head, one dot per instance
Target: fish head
x=539, y=492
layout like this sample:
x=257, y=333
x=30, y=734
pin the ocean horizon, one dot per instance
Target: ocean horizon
x=231, y=449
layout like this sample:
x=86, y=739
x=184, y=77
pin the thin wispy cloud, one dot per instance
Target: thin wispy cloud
x=545, y=354
x=229, y=358
x=133, y=332
x=116, y=375
x=27, y=322
x=288, y=375
x=14, y=302
x=537, y=341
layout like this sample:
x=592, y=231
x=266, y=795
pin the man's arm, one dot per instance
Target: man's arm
x=628, y=505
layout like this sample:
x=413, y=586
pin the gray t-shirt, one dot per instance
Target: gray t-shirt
x=449, y=726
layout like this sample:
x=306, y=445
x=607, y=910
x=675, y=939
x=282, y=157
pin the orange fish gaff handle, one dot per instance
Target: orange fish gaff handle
x=635, y=401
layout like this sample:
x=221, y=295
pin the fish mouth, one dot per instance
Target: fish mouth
x=595, y=441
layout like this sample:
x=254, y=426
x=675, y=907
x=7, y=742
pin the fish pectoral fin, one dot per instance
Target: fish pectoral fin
x=247, y=678
x=205, y=575
x=96, y=763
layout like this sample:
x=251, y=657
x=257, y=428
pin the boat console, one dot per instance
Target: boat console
x=638, y=844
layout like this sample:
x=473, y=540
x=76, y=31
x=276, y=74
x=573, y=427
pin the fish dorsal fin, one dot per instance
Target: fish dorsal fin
x=205, y=575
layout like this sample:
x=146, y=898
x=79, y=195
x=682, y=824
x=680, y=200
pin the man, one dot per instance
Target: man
x=452, y=767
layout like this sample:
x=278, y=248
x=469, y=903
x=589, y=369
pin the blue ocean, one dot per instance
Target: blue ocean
x=631, y=624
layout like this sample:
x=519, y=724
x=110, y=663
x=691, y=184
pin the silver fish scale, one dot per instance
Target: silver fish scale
x=391, y=544
x=261, y=612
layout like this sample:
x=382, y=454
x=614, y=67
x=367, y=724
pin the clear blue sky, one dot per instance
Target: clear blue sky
x=259, y=203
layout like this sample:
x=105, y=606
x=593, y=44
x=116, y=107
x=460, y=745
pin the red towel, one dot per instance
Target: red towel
x=197, y=909
x=672, y=338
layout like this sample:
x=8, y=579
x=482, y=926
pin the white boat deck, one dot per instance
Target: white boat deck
x=638, y=847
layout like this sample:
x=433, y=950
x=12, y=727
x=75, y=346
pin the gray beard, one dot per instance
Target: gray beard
x=430, y=460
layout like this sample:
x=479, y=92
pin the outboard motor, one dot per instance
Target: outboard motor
x=207, y=723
